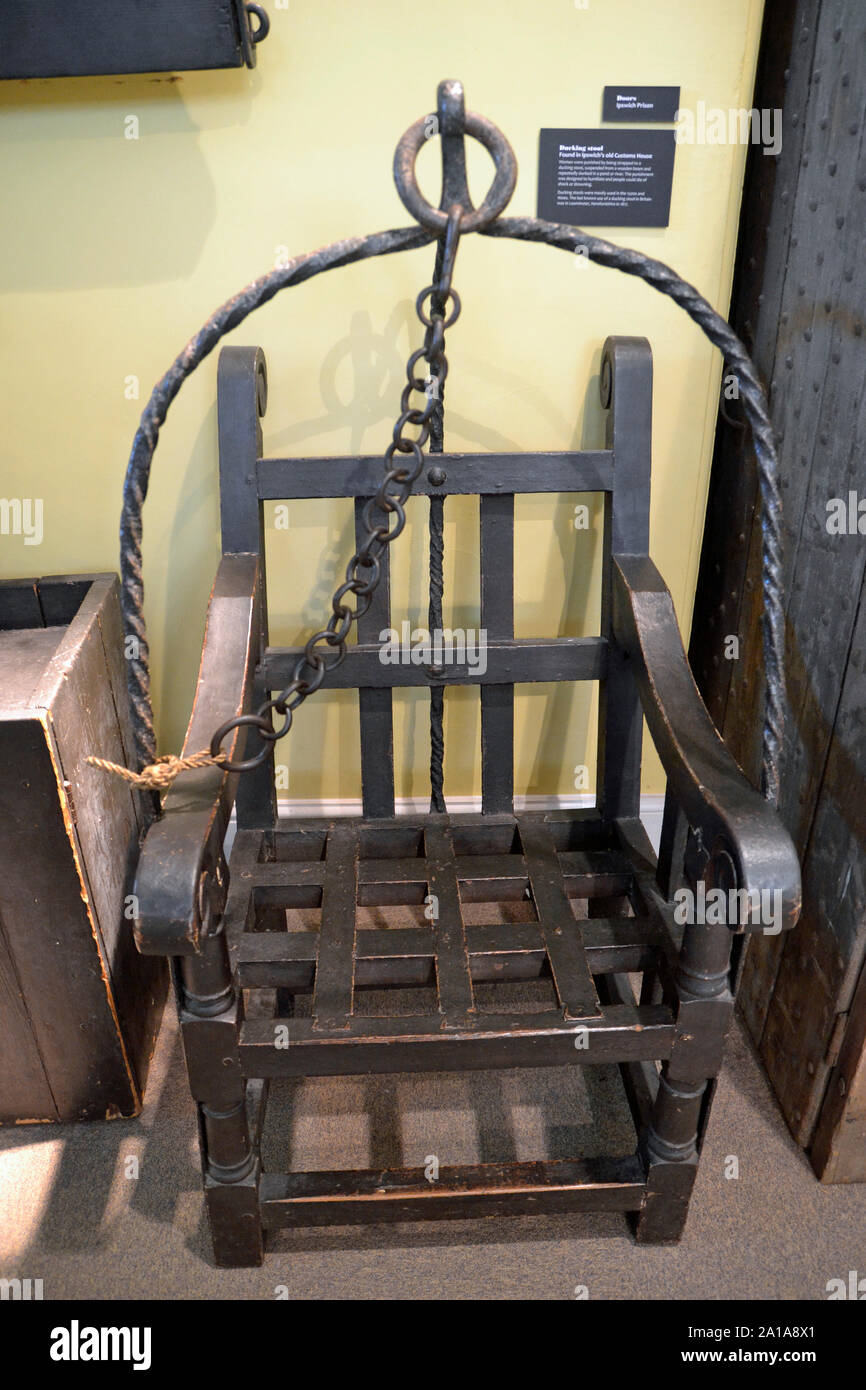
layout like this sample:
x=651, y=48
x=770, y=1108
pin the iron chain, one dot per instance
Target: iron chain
x=364, y=571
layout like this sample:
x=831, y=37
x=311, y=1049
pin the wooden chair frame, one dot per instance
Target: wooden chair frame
x=238, y=970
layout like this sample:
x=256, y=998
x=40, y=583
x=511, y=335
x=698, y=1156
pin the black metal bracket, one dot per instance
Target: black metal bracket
x=250, y=36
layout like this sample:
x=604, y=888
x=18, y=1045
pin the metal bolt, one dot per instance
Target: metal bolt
x=437, y=476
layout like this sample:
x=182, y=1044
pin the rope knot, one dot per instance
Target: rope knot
x=158, y=776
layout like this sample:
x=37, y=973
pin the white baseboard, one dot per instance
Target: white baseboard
x=651, y=808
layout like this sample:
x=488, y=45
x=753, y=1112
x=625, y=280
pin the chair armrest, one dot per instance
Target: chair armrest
x=715, y=796
x=180, y=865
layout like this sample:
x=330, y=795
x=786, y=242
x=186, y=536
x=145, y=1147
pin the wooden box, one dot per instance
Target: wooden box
x=79, y=1007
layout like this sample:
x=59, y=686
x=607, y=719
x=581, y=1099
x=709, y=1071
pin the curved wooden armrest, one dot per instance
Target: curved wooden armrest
x=715, y=795
x=186, y=843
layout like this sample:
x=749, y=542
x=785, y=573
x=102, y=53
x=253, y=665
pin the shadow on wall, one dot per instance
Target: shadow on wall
x=108, y=221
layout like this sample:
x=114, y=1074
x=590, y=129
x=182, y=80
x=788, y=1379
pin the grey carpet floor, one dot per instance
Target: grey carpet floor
x=78, y=1211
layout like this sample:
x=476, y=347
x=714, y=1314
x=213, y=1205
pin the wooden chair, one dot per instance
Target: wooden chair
x=225, y=927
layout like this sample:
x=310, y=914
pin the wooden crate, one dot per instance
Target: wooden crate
x=79, y=1007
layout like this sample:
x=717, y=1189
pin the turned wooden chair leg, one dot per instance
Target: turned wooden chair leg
x=669, y=1147
x=669, y=1150
x=230, y=1165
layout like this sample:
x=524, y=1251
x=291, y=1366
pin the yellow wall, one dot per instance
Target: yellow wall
x=115, y=250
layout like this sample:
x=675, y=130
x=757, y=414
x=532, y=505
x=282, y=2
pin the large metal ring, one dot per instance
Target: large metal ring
x=498, y=194
x=242, y=720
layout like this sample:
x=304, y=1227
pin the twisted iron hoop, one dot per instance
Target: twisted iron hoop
x=340, y=253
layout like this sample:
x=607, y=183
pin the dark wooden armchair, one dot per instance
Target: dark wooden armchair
x=226, y=927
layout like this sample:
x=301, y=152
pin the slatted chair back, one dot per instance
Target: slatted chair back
x=620, y=471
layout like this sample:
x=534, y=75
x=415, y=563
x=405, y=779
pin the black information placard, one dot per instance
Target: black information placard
x=640, y=104
x=606, y=178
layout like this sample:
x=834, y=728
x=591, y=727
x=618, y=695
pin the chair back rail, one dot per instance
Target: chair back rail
x=620, y=471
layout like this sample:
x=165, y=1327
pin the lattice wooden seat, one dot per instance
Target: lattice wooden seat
x=346, y=865
x=447, y=863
